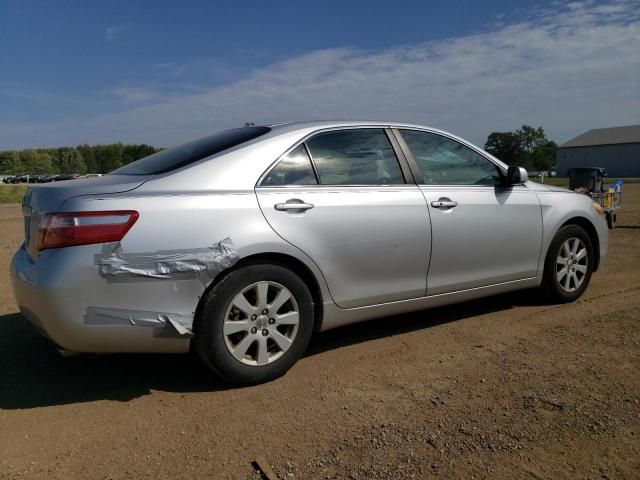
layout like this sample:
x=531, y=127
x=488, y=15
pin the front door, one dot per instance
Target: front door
x=341, y=198
x=483, y=232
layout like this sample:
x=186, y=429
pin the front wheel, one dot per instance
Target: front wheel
x=254, y=324
x=568, y=265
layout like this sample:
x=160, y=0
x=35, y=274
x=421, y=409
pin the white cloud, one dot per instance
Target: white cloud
x=113, y=33
x=567, y=70
x=132, y=95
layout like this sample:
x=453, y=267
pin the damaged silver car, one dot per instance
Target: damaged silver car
x=242, y=244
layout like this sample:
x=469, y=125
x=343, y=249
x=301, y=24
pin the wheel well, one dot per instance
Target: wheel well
x=280, y=259
x=593, y=235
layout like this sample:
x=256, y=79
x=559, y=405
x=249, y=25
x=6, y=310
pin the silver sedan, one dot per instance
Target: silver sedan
x=244, y=243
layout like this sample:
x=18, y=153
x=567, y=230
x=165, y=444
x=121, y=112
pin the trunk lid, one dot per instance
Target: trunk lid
x=41, y=199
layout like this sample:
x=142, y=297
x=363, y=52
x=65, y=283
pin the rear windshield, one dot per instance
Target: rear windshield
x=188, y=153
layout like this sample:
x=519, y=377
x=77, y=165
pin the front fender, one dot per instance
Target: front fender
x=563, y=207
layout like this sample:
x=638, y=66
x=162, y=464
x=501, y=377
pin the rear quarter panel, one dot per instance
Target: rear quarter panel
x=166, y=222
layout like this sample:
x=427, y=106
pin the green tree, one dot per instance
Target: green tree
x=108, y=157
x=69, y=160
x=544, y=156
x=10, y=163
x=76, y=162
x=131, y=153
x=35, y=163
x=87, y=153
x=538, y=151
x=527, y=147
x=80, y=159
x=505, y=146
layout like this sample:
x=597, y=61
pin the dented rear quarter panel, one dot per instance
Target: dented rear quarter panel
x=72, y=278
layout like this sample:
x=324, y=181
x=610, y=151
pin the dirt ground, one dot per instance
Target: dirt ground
x=505, y=387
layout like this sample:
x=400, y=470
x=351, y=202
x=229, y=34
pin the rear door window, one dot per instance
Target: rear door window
x=361, y=156
x=293, y=169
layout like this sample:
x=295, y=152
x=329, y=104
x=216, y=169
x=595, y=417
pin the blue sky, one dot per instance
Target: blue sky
x=164, y=72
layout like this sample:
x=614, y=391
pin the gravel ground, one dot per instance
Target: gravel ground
x=504, y=387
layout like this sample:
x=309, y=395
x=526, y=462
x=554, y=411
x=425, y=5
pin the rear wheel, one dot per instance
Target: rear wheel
x=568, y=265
x=255, y=323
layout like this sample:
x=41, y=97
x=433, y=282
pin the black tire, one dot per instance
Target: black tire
x=551, y=286
x=611, y=220
x=209, y=340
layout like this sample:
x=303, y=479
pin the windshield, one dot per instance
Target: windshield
x=188, y=153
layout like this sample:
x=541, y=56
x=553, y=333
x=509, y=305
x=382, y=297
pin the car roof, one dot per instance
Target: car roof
x=308, y=127
x=319, y=124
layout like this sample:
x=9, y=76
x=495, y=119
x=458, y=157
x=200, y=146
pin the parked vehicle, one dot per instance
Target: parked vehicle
x=244, y=243
x=65, y=176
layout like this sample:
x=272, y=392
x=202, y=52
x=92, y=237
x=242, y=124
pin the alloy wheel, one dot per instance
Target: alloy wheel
x=261, y=323
x=572, y=264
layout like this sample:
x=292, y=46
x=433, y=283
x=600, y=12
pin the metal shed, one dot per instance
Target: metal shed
x=617, y=149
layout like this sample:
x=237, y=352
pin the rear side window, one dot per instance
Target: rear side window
x=188, y=153
x=293, y=169
x=355, y=157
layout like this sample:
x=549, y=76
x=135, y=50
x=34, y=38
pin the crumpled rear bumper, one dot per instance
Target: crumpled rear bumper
x=63, y=296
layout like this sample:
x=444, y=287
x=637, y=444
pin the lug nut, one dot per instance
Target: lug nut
x=265, y=332
x=272, y=321
x=254, y=330
x=253, y=317
x=265, y=311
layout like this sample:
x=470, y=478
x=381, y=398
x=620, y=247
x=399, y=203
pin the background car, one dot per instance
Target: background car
x=65, y=176
x=244, y=243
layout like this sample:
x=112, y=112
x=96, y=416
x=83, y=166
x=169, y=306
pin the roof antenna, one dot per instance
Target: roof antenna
x=249, y=124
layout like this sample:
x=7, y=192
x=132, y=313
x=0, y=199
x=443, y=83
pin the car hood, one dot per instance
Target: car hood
x=539, y=187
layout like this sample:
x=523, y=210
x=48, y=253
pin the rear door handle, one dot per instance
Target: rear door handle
x=293, y=205
x=444, y=203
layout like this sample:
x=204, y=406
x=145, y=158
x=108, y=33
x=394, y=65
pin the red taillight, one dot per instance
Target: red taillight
x=83, y=228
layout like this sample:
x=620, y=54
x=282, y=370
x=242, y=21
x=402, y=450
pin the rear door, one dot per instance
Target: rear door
x=341, y=197
x=483, y=232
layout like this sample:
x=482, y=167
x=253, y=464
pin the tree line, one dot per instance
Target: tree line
x=527, y=147
x=80, y=159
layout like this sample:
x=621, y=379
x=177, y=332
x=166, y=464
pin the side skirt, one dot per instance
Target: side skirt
x=335, y=316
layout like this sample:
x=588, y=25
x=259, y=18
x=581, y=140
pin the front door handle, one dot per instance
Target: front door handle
x=444, y=203
x=295, y=204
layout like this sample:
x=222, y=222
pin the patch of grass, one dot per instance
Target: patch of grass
x=12, y=193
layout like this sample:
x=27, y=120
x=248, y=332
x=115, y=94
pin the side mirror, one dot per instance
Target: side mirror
x=516, y=176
